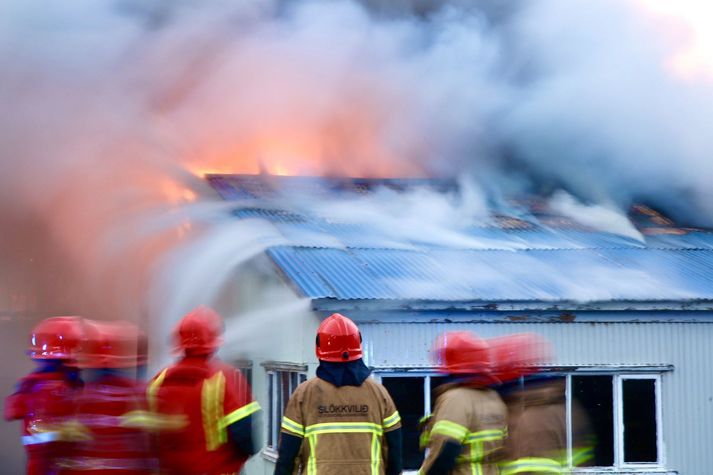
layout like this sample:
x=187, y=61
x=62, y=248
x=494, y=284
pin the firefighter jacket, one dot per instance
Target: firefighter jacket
x=112, y=411
x=473, y=417
x=205, y=398
x=537, y=442
x=44, y=401
x=342, y=428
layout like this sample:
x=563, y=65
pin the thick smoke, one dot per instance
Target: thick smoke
x=600, y=111
x=111, y=109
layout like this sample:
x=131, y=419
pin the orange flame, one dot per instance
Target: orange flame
x=348, y=146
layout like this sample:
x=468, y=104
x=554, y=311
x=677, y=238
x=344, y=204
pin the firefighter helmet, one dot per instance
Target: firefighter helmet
x=518, y=355
x=109, y=345
x=462, y=352
x=56, y=338
x=199, y=332
x=338, y=340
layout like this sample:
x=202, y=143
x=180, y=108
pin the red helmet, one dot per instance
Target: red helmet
x=338, y=340
x=109, y=345
x=462, y=353
x=519, y=354
x=56, y=338
x=199, y=332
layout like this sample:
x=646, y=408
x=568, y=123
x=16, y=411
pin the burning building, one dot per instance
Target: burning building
x=629, y=315
x=119, y=108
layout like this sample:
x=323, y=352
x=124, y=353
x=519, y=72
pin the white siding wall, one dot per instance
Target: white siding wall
x=267, y=323
x=687, y=390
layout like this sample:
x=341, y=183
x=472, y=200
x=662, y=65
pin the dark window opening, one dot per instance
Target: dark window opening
x=435, y=382
x=407, y=393
x=639, y=403
x=595, y=396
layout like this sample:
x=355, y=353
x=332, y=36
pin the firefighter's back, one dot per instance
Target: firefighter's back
x=476, y=416
x=343, y=426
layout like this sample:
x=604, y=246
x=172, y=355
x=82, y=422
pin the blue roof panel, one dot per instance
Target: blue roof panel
x=509, y=257
x=538, y=275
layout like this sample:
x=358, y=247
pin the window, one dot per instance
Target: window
x=412, y=395
x=624, y=413
x=246, y=368
x=282, y=380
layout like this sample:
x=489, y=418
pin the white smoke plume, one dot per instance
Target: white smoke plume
x=111, y=109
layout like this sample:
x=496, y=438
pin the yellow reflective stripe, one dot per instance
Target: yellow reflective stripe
x=485, y=436
x=531, y=464
x=474, y=456
x=375, y=453
x=581, y=455
x=240, y=413
x=212, y=394
x=347, y=427
x=312, y=461
x=392, y=420
x=424, y=439
x=312, y=431
x=291, y=426
x=450, y=429
x=148, y=420
x=152, y=390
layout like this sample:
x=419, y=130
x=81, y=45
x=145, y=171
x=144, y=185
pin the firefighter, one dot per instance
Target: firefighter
x=44, y=399
x=537, y=424
x=210, y=401
x=342, y=421
x=112, y=406
x=466, y=432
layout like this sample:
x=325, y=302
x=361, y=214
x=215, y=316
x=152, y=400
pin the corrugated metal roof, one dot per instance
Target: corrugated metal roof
x=505, y=259
x=535, y=275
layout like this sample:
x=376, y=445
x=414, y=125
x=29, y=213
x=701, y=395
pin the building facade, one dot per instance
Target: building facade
x=630, y=320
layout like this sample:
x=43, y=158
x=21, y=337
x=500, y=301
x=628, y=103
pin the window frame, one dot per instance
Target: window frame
x=619, y=375
x=275, y=404
x=246, y=369
x=619, y=421
x=379, y=375
x=426, y=374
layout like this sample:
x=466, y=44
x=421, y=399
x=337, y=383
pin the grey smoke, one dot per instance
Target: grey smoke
x=105, y=106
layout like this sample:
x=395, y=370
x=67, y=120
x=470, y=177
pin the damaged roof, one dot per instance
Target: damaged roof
x=521, y=252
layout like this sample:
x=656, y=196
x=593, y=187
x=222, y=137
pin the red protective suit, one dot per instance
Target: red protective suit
x=208, y=396
x=113, y=411
x=44, y=401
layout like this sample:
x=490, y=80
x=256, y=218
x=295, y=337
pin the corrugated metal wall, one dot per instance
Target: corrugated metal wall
x=687, y=390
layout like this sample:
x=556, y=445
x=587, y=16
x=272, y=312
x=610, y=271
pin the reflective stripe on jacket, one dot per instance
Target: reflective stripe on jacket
x=196, y=400
x=475, y=418
x=538, y=431
x=45, y=402
x=343, y=427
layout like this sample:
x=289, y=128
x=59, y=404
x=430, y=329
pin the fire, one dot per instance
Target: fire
x=687, y=23
x=304, y=152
